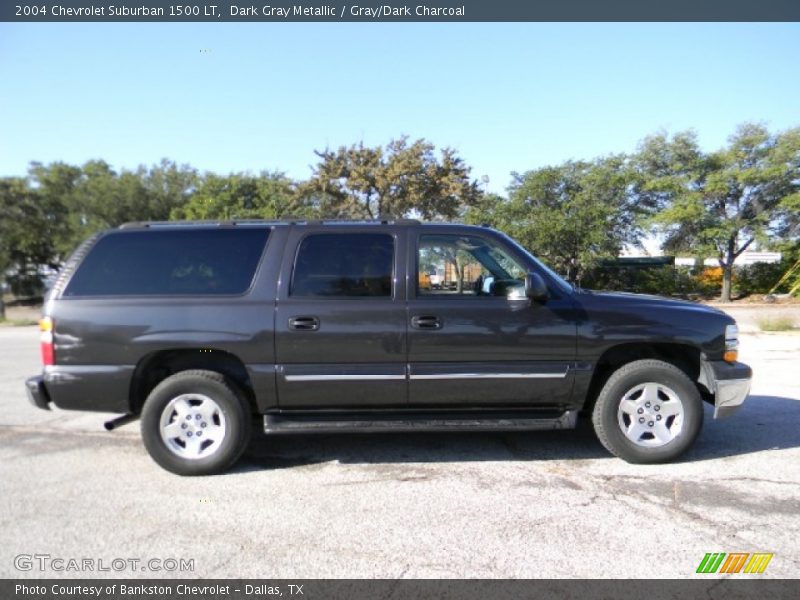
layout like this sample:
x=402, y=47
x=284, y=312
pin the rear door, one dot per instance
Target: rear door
x=340, y=319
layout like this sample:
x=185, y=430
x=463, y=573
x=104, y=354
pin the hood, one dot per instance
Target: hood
x=618, y=317
x=629, y=299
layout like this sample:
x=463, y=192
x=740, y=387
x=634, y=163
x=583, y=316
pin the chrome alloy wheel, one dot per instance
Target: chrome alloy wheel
x=650, y=415
x=192, y=426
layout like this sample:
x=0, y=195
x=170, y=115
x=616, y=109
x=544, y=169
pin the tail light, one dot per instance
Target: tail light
x=48, y=349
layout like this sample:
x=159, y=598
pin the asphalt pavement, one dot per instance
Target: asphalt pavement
x=549, y=504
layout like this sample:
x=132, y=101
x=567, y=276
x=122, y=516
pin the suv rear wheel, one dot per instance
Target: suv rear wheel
x=648, y=411
x=195, y=423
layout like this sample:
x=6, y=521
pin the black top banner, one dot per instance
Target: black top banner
x=391, y=11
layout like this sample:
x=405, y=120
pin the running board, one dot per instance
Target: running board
x=350, y=422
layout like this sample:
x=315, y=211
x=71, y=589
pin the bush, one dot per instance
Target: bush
x=708, y=282
x=663, y=281
x=27, y=285
x=760, y=278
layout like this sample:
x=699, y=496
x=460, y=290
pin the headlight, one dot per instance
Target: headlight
x=731, y=343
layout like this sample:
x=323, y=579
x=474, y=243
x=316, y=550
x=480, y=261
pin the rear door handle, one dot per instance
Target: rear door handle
x=426, y=322
x=304, y=323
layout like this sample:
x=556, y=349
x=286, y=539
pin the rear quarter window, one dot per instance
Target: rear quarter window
x=169, y=263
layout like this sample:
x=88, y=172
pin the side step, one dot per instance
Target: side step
x=376, y=421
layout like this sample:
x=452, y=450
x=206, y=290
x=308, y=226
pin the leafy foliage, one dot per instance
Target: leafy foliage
x=780, y=278
x=661, y=280
x=722, y=202
x=85, y=199
x=242, y=196
x=571, y=215
x=399, y=180
x=46, y=214
x=29, y=234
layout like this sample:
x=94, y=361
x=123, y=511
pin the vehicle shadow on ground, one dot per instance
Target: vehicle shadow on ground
x=420, y=447
x=764, y=423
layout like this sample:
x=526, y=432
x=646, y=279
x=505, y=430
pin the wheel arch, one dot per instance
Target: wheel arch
x=157, y=366
x=684, y=356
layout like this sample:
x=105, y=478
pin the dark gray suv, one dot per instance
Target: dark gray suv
x=367, y=326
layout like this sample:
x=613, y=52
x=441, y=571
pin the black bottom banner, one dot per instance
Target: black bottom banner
x=359, y=589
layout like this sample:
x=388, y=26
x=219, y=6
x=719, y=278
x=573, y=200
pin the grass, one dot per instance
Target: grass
x=17, y=322
x=775, y=324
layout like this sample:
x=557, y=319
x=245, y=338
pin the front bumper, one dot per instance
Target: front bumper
x=730, y=384
x=37, y=393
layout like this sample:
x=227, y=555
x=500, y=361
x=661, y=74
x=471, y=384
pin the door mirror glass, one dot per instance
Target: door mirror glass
x=535, y=287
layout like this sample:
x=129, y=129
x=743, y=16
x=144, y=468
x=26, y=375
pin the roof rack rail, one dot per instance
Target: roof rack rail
x=285, y=221
x=148, y=224
x=386, y=221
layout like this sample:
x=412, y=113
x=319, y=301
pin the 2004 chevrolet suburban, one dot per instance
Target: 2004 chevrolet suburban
x=338, y=327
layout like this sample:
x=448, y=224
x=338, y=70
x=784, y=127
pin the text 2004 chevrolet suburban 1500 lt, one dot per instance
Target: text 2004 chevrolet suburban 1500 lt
x=336, y=327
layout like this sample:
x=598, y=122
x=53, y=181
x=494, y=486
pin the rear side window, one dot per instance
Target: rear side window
x=170, y=262
x=344, y=264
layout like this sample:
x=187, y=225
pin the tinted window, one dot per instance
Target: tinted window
x=169, y=262
x=347, y=264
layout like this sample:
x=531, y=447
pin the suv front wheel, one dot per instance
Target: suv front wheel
x=648, y=411
x=195, y=423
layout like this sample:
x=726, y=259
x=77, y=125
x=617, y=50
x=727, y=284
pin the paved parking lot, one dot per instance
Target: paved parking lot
x=548, y=504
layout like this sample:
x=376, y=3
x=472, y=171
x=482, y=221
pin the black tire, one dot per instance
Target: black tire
x=228, y=417
x=628, y=382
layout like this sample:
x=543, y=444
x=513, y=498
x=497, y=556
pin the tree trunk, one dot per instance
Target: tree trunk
x=727, y=266
x=459, y=277
x=2, y=308
x=727, y=279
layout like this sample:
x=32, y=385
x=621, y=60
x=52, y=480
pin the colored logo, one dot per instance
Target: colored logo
x=735, y=562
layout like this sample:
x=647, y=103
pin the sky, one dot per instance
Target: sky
x=233, y=97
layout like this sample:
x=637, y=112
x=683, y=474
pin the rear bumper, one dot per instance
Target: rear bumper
x=730, y=384
x=37, y=393
x=102, y=388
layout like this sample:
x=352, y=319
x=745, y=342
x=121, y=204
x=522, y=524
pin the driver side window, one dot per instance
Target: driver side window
x=466, y=266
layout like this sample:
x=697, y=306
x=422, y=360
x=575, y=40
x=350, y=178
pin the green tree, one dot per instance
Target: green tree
x=488, y=209
x=719, y=203
x=243, y=196
x=104, y=198
x=399, y=180
x=55, y=186
x=570, y=215
x=94, y=196
x=28, y=220
x=169, y=186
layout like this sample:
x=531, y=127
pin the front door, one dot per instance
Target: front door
x=474, y=338
x=340, y=326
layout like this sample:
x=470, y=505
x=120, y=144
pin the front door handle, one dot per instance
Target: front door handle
x=426, y=322
x=304, y=323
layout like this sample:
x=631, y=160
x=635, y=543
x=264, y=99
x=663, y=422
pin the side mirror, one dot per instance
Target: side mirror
x=535, y=287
